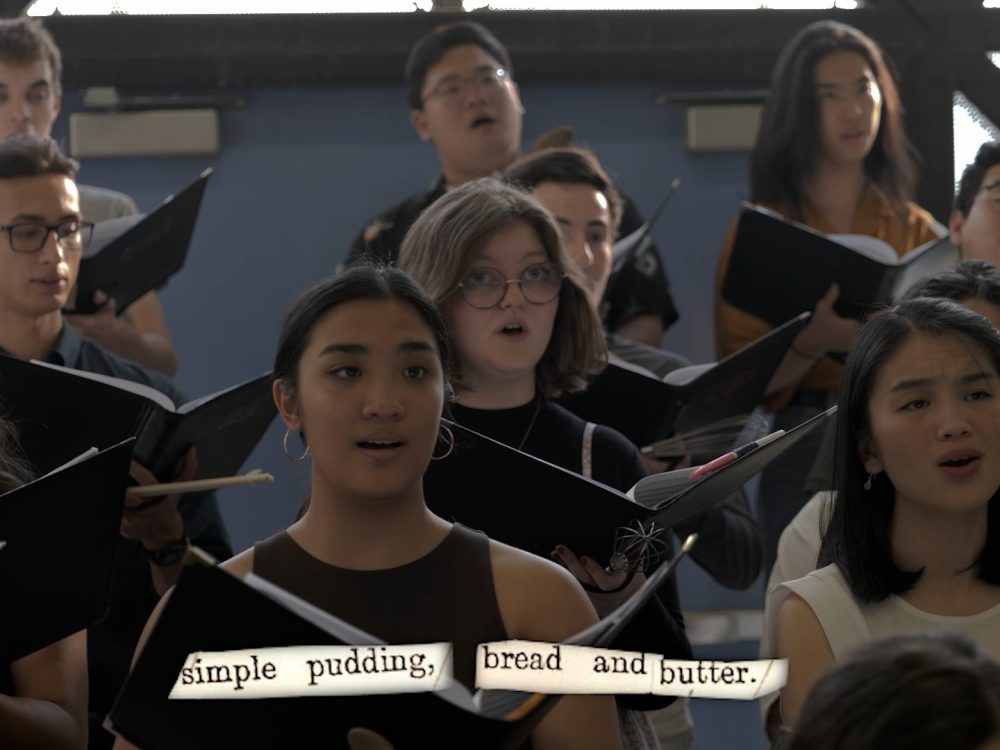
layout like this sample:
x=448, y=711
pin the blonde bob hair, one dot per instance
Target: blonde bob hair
x=445, y=241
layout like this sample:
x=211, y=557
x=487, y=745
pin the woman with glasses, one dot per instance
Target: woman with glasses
x=522, y=330
x=43, y=696
x=831, y=154
x=521, y=325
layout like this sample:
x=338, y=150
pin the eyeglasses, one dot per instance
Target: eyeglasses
x=451, y=91
x=992, y=194
x=484, y=288
x=30, y=237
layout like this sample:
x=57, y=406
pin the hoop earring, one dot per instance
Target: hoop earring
x=449, y=437
x=868, y=482
x=284, y=444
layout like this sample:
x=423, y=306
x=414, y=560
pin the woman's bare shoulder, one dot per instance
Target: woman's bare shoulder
x=240, y=564
x=538, y=599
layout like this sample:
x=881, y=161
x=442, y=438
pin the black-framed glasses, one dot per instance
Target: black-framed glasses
x=992, y=194
x=450, y=92
x=484, y=288
x=30, y=236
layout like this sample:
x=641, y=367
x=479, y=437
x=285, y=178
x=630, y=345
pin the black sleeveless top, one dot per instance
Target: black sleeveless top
x=446, y=595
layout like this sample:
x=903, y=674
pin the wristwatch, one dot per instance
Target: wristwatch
x=170, y=554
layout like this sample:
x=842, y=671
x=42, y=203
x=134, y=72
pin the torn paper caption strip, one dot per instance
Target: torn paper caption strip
x=564, y=670
x=295, y=671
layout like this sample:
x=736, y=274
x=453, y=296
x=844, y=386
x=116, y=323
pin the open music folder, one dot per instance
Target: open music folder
x=780, y=268
x=534, y=505
x=129, y=256
x=60, y=533
x=61, y=411
x=646, y=409
x=212, y=610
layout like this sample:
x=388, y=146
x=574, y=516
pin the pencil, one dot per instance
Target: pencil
x=200, y=485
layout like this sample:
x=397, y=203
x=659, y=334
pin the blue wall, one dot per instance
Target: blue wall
x=299, y=173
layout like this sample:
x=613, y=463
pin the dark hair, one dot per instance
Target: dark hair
x=917, y=690
x=24, y=40
x=14, y=468
x=972, y=176
x=970, y=279
x=31, y=156
x=857, y=538
x=443, y=244
x=431, y=47
x=784, y=157
x=359, y=282
x=566, y=166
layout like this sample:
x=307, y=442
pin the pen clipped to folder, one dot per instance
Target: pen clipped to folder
x=725, y=459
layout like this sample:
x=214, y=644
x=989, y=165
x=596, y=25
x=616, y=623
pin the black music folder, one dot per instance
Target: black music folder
x=646, y=409
x=60, y=533
x=534, y=505
x=60, y=412
x=211, y=610
x=132, y=255
x=780, y=268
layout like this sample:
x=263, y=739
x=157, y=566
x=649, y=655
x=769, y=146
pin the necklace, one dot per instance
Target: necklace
x=538, y=409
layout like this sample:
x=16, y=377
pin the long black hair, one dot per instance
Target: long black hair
x=784, y=157
x=857, y=538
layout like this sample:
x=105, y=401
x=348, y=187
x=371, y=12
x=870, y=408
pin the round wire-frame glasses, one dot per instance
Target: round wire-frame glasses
x=485, y=287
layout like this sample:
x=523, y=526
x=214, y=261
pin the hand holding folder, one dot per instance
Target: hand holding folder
x=156, y=524
x=129, y=256
x=780, y=268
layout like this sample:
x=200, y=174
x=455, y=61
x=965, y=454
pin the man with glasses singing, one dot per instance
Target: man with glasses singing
x=42, y=236
x=975, y=221
x=463, y=101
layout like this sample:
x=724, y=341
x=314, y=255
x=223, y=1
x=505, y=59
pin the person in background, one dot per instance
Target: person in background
x=464, y=102
x=30, y=96
x=919, y=690
x=831, y=154
x=975, y=219
x=571, y=184
x=42, y=237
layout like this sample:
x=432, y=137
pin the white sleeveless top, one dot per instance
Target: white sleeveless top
x=848, y=625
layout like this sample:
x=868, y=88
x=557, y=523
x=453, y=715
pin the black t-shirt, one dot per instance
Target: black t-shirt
x=640, y=288
x=556, y=435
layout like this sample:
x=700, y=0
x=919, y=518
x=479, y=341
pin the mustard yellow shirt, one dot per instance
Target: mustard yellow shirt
x=875, y=217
